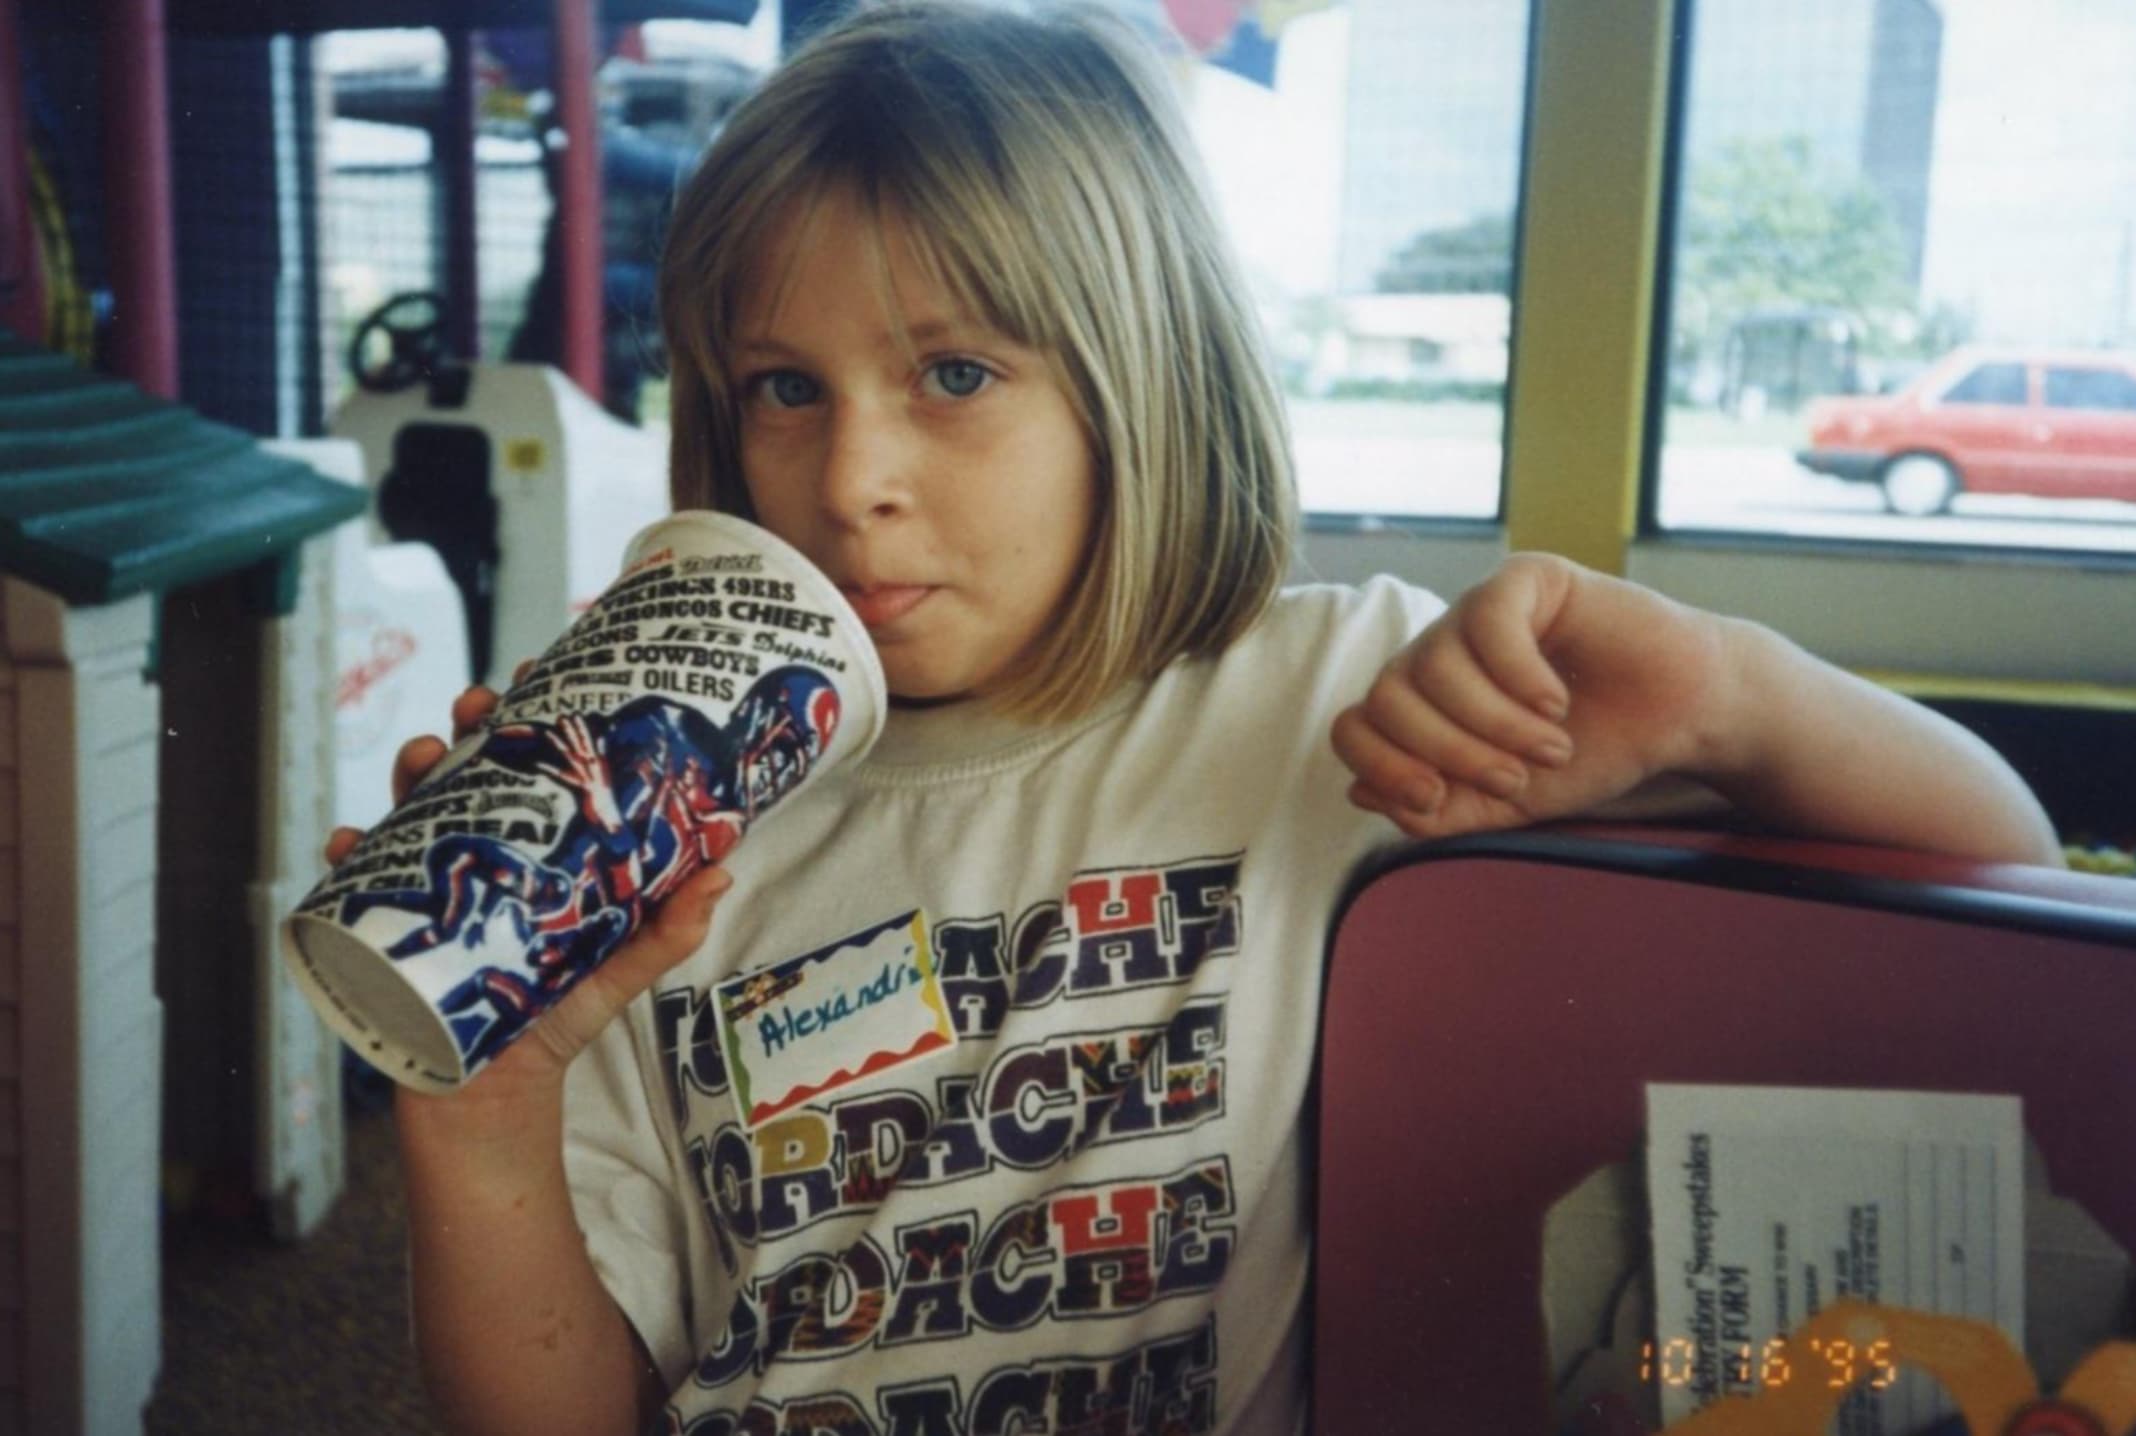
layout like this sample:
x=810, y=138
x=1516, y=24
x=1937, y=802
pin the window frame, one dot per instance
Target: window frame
x=1923, y=616
x=1592, y=282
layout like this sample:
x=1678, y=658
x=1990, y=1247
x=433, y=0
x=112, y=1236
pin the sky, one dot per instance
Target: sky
x=2032, y=200
x=1275, y=155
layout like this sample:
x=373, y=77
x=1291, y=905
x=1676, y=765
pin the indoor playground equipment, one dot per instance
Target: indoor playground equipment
x=527, y=489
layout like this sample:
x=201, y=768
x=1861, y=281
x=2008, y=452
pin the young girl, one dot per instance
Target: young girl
x=948, y=311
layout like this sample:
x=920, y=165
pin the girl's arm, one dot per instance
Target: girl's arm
x=1551, y=691
x=1808, y=748
x=513, y=1328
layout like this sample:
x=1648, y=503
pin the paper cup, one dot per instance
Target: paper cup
x=717, y=677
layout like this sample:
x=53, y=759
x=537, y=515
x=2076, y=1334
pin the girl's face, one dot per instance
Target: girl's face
x=945, y=485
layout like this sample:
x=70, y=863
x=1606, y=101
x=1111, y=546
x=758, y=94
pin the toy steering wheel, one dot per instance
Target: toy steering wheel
x=412, y=328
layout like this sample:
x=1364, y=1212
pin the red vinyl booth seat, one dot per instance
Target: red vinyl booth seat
x=1495, y=1007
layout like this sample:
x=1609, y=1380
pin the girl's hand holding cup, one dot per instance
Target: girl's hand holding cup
x=677, y=928
x=565, y=852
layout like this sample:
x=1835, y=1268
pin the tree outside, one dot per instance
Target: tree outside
x=1471, y=258
x=1789, y=282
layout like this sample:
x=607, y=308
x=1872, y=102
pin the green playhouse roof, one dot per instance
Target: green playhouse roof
x=106, y=491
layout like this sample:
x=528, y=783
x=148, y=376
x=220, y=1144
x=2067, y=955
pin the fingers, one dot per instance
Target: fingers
x=1424, y=799
x=1472, y=703
x=1446, y=701
x=470, y=708
x=677, y=928
x=1458, y=810
x=1502, y=625
x=417, y=757
x=1390, y=778
x=1436, y=717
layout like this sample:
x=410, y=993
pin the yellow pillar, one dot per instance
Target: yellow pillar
x=1591, y=196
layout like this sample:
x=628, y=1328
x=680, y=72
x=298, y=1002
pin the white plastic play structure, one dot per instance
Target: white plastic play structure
x=504, y=498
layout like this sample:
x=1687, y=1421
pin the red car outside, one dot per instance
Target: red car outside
x=1985, y=421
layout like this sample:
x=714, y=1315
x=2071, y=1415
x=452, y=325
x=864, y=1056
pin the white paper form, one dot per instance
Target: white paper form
x=1771, y=1203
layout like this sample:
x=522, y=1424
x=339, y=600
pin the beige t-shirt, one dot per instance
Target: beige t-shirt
x=1094, y=1202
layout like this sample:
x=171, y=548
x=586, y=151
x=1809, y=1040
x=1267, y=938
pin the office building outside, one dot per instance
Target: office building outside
x=1437, y=90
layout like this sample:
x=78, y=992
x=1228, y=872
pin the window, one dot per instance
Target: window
x=2090, y=389
x=1365, y=156
x=1989, y=384
x=663, y=89
x=378, y=181
x=1877, y=203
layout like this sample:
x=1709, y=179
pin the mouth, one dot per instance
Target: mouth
x=880, y=605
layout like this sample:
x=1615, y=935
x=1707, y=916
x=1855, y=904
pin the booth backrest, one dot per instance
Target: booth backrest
x=1496, y=1006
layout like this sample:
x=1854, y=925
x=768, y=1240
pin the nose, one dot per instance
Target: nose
x=866, y=464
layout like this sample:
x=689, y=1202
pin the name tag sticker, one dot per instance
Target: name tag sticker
x=829, y=1018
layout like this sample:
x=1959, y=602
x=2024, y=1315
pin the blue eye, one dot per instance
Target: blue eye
x=959, y=378
x=786, y=388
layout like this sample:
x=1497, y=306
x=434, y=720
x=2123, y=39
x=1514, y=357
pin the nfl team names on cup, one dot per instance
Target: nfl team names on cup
x=660, y=593
x=461, y=805
x=762, y=614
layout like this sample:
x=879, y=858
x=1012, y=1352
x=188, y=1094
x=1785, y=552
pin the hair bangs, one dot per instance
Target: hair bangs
x=1036, y=172
x=915, y=149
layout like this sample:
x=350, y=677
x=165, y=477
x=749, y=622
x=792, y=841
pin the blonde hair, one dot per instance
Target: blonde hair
x=1042, y=167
